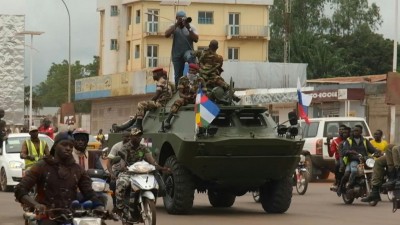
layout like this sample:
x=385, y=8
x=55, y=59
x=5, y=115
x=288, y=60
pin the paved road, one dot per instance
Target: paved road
x=317, y=206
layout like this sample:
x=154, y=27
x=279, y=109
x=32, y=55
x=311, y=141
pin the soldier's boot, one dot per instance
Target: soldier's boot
x=138, y=124
x=373, y=196
x=167, y=122
x=125, y=125
x=392, y=177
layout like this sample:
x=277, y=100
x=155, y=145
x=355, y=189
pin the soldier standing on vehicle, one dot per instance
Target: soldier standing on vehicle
x=187, y=87
x=33, y=149
x=164, y=91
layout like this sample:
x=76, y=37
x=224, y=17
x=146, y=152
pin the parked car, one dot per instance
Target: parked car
x=319, y=163
x=11, y=164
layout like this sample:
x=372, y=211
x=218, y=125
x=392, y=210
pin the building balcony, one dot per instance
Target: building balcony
x=247, y=31
x=156, y=28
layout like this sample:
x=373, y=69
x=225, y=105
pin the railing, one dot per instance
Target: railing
x=247, y=31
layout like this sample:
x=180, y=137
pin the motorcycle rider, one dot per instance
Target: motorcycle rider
x=33, y=149
x=132, y=152
x=334, y=151
x=353, y=147
x=81, y=137
x=57, y=177
x=115, y=167
x=391, y=161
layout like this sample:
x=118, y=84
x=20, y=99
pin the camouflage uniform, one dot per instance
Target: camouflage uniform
x=132, y=155
x=211, y=69
x=166, y=89
x=187, y=92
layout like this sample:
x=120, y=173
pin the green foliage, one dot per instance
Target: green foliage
x=54, y=90
x=334, y=37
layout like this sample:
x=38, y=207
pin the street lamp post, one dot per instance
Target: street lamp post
x=31, y=33
x=69, y=53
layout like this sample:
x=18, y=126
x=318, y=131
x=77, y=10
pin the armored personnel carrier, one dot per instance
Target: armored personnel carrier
x=240, y=152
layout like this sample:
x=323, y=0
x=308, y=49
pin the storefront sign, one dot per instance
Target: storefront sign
x=337, y=95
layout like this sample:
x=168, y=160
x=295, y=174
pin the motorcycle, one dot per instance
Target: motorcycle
x=300, y=176
x=362, y=183
x=142, y=196
x=100, y=183
x=300, y=179
x=77, y=213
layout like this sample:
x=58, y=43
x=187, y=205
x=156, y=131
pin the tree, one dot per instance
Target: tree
x=334, y=37
x=54, y=90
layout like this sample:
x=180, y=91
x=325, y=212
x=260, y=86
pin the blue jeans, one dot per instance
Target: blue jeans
x=353, y=168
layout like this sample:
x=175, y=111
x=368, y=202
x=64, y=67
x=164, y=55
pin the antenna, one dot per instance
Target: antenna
x=286, y=39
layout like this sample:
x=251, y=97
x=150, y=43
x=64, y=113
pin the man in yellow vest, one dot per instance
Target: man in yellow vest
x=33, y=149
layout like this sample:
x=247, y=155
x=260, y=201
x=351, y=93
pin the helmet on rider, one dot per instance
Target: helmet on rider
x=81, y=137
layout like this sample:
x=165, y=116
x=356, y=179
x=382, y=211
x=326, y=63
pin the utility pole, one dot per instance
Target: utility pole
x=286, y=40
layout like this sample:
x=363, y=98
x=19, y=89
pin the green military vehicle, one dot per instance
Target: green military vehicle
x=240, y=152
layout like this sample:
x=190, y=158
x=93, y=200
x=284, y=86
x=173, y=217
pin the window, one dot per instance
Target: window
x=128, y=51
x=114, y=44
x=137, y=16
x=311, y=130
x=251, y=120
x=206, y=17
x=233, y=24
x=114, y=10
x=222, y=120
x=332, y=128
x=233, y=54
x=137, y=51
x=129, y=16
x=152, y=21
x=152, y=53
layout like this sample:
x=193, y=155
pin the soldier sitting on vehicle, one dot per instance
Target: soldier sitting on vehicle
x=164, y=90
x=187, y=87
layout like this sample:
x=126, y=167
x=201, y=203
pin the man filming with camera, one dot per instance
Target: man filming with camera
x=183, y=37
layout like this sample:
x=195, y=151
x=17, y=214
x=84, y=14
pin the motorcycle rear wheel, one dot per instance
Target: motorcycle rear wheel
x=149, y=214
x=347, y=200
x=302, y=185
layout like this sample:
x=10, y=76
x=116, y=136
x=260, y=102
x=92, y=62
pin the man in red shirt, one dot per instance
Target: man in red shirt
x=45, y=128
x=334, y=150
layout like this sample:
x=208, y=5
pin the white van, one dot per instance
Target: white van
x=319, y=163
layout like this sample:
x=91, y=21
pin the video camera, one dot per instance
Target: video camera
x=187, y=19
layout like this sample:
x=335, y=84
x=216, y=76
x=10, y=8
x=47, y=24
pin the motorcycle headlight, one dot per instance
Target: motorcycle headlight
x=87, y=221
x=15, y=165
x=98, y=186
x=370, y=162
x=141, y=167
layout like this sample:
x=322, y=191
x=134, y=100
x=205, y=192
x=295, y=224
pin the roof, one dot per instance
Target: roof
x=348, y=80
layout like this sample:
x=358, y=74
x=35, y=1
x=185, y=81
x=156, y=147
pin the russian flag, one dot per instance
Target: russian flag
x=304, y=100
x=205, y=109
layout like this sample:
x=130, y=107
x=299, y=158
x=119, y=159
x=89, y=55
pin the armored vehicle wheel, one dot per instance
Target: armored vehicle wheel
x=180, y=188
x=276, y=196
x=221, y=199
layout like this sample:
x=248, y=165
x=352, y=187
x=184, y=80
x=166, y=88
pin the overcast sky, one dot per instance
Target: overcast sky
x=50, y=16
